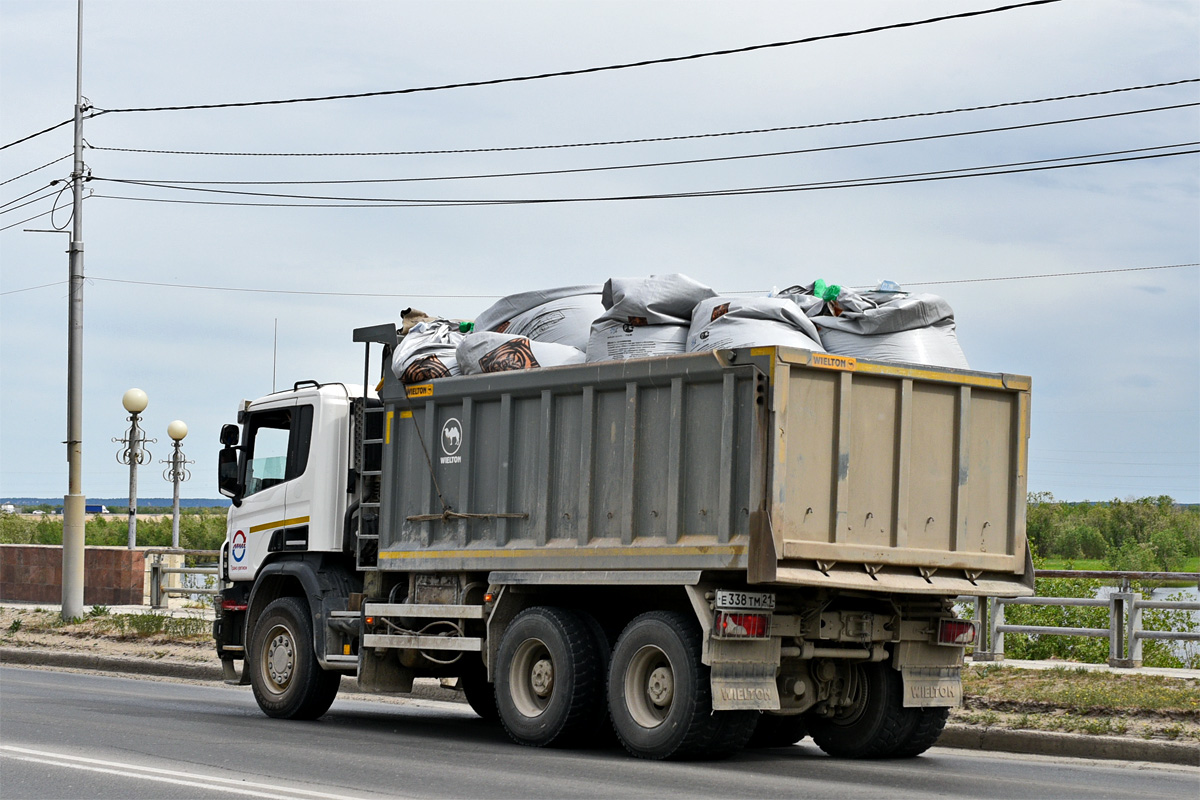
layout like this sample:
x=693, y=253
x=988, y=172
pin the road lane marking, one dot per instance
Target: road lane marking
x=179, y=778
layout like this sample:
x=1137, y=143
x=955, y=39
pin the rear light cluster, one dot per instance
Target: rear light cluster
x=732, y=625
x=956, y=632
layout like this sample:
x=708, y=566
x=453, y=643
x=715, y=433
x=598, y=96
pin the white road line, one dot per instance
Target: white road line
x=189, y=779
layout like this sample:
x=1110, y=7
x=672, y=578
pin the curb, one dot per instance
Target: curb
x=955, y=736
x=132, y=666
x=971, y=737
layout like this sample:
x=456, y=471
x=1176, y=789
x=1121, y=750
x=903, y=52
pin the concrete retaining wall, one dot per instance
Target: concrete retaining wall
x=33, y=573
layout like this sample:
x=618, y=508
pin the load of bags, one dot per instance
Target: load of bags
x=886, y=324
x=664, y=315
x=645, y=317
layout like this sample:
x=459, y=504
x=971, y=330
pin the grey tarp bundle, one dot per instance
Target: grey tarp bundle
x=427, y=351
x=488, y=351
x=721, y=323
x=560, y=316
x=887, y=326
x=645, y=317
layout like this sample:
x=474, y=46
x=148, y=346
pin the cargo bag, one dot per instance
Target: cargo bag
x=488, y=351
x=887, y=326
x=427, y=351
x=645, y=317
x=559, y=316
x=723, y=323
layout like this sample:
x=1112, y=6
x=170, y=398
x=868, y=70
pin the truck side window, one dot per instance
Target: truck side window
x=279, y=442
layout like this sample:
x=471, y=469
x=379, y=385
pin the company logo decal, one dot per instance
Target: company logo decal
x=451, y=441
x=239, y=546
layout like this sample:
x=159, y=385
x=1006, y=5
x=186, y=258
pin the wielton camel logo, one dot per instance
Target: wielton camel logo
x=451, y=436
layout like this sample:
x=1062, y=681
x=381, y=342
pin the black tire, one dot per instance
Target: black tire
x=659, y=694
x=288, y=682
x=599, y=731
x=480, y=694
x=547, y=677
x=731, y=733
x=777, y=730
x=923, y=731
x=874, y=724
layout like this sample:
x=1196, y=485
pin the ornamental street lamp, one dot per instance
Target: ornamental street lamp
x=176, y=472
x=135, y=453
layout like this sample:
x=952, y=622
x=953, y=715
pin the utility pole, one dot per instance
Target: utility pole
x=74, y=502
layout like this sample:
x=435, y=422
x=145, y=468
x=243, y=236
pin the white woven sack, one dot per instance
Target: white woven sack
x=613, y=340
x=427, y=352
x=724, y=323
x=488, y=351
x=560, y=316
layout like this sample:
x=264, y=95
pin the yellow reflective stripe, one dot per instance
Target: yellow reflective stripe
x=718, y=550
x=387, y=430
x=278, y=524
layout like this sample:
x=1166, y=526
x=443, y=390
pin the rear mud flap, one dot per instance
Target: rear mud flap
x=229, y=673
x=932, y=687
x=744, y=687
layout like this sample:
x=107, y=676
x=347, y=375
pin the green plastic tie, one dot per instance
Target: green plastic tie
x=826, y=291
x=466, y=327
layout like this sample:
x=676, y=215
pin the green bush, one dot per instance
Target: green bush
x=1038, y=647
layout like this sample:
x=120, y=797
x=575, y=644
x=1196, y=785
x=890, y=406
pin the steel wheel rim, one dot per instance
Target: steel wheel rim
x=859, y=696
x=650, y=686
x=279, y=658
x=531, y=677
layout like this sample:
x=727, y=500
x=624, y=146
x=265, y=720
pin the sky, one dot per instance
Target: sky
x=1114, y=353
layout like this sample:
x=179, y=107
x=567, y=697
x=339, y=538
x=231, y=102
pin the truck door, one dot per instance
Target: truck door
x=276, y=444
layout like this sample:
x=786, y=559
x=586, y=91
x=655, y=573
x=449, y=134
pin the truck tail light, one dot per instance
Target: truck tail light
x=233, y=605
x=956, y=632
x=732, y=625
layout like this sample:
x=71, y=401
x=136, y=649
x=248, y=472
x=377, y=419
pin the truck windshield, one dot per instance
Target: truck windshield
x=279, y=443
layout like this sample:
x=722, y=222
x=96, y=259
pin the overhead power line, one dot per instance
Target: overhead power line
x=243, y=289
x=35, y=169
x=680, y=162
x=587, y=70
x=39, y=133
x=647, y=140
x=888, y=180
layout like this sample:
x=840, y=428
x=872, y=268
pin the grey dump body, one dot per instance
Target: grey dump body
x=780, y=466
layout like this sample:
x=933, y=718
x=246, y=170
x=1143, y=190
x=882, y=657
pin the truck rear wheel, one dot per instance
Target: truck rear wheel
x=873, y=723
x=287, y=680
x=547, y=677
x=925, y=728
x=659, y=694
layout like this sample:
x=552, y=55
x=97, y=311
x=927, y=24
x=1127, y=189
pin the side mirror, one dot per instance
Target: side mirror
x=227, y=472
x=229, y=435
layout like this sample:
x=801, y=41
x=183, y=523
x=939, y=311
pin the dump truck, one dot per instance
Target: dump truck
x=693, y=552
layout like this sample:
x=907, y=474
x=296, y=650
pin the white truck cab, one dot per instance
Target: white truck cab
x=290, y=491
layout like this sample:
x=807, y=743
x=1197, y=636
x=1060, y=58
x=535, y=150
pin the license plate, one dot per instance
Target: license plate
x=758, y=601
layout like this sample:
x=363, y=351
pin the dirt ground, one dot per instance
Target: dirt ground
x=1062, y=700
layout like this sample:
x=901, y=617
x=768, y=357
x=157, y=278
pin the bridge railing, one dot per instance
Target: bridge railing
x=1125, y=632
x=162, y=567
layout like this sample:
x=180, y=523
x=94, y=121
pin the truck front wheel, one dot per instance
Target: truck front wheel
x=287, y=680
x=547, y=677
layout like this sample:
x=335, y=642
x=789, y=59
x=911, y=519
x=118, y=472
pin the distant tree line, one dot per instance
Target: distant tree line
x=201, y=529
x=1150, y=534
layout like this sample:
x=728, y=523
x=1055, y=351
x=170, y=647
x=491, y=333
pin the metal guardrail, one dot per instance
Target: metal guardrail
x=159, y=572
x=1125, y=633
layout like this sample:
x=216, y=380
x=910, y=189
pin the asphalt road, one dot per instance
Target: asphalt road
x=74, y=735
